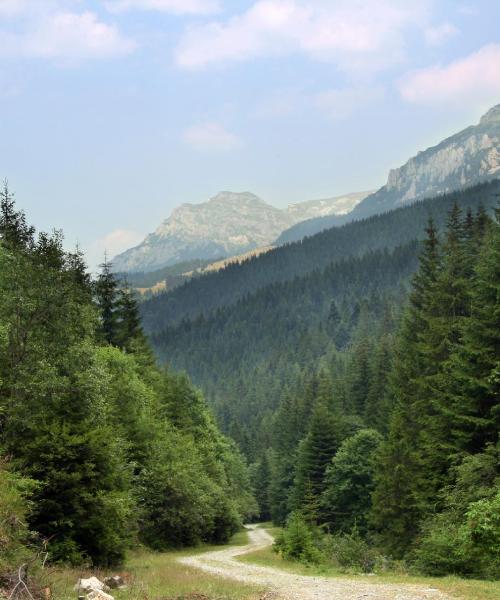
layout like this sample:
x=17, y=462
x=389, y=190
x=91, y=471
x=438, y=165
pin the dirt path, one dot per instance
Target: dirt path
x=288, y=586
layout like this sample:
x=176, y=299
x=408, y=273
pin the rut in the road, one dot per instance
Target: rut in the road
x=223, y=563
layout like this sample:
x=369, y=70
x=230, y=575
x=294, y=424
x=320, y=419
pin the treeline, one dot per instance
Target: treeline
x=424, y=483
x=209, y=292
x=100, y=449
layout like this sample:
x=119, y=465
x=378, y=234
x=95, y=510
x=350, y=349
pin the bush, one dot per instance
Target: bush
x=352, y=552
x=465, y=538
x=14, y=532
x=298, y=541
x=466, y=544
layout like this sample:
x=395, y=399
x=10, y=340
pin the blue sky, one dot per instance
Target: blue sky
x=114, y=112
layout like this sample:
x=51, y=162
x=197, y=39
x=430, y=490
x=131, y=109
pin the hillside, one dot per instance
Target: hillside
x=228, y=224
x=464, y=159
x=211, y=291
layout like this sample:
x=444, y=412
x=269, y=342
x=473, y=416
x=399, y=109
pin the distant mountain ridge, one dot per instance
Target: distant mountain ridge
x=228, y=224
x=469, y=157
x=213, y=290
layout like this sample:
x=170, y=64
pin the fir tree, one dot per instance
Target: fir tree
x=106, y=289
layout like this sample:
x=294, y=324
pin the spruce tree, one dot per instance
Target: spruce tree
x=314, y=455
x=473, y=369
x=106, y=290
x=397, y=501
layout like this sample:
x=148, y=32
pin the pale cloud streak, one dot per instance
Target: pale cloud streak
x=67, y=37
x=176, y=7
x=473, y=79
x=210, y=137
x=356, y=35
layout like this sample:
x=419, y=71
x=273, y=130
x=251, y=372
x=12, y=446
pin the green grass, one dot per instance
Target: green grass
x=456, y=587
x=157, y=576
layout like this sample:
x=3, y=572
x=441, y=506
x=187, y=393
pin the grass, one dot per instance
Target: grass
x=456, y=587
x=157, y=576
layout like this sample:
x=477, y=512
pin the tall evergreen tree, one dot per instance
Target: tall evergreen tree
x=314, y=455
x=397, y=503
x=106, y=289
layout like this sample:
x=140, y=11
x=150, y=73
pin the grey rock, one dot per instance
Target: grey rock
x=227, y=225
x=115, y=582
x=90, y=584
x=464, y=159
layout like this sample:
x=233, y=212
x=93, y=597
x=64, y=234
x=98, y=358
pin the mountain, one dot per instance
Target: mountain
x=228, y=224
x=339, y=205
x=464, y=159
x=209, y=292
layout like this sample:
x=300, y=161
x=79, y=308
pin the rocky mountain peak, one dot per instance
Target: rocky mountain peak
x=231, y=198
x=491, y=117
x=228, y=224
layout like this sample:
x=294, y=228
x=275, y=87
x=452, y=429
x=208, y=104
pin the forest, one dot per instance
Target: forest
x=364, y=393
x=101, y=450
x=352, y=393
x=386, y=231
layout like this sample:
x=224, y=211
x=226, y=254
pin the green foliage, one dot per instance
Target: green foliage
x=14, y=509
x=297, y=541
x=464, y=538
x=352, y=552
x=116, y=448
x=346, y=500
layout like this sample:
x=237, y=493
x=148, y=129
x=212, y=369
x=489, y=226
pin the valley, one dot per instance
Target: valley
x=249, y=300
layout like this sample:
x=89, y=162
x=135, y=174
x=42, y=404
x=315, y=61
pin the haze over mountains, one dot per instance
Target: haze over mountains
x=464, y=159
x=232, y=223
x=228, y=224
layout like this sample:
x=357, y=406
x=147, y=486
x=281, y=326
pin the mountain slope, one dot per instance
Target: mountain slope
x=228, y=224
x=214, y=290
x=464, y=159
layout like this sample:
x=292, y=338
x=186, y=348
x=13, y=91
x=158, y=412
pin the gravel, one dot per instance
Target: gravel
x=287, y=586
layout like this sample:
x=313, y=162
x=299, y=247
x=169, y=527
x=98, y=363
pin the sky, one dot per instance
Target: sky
x=114, y=112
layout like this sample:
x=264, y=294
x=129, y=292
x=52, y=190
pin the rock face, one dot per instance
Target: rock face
x=227, y=225
x=466, y=158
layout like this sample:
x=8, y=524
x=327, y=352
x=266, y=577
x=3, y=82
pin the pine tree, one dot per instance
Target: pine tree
x=397, y=500
x=377, y=407
x=314, y=455
x=473, y=370
x=106, y=290
x=14, y=231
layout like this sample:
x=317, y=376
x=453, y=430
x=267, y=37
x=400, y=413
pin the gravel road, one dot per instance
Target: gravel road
x=287, y=586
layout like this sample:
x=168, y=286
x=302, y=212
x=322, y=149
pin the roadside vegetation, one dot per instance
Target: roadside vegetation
x=397, y=573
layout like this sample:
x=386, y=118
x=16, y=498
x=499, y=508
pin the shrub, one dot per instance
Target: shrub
x=298, y=541
x=14, y=532
x=352, y=552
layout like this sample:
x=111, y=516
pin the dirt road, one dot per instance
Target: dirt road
x=288, y=586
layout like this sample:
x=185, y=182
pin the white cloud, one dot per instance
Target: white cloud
x=436, y=36
x=68, y=37
x=111, y=244
x=176, y=7
x=342, y=103
x=210, y=137
x=9, y=8
x=355, y=34
x=473, y=79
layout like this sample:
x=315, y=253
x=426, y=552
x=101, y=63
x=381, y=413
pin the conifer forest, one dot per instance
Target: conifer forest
x=353, y=402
